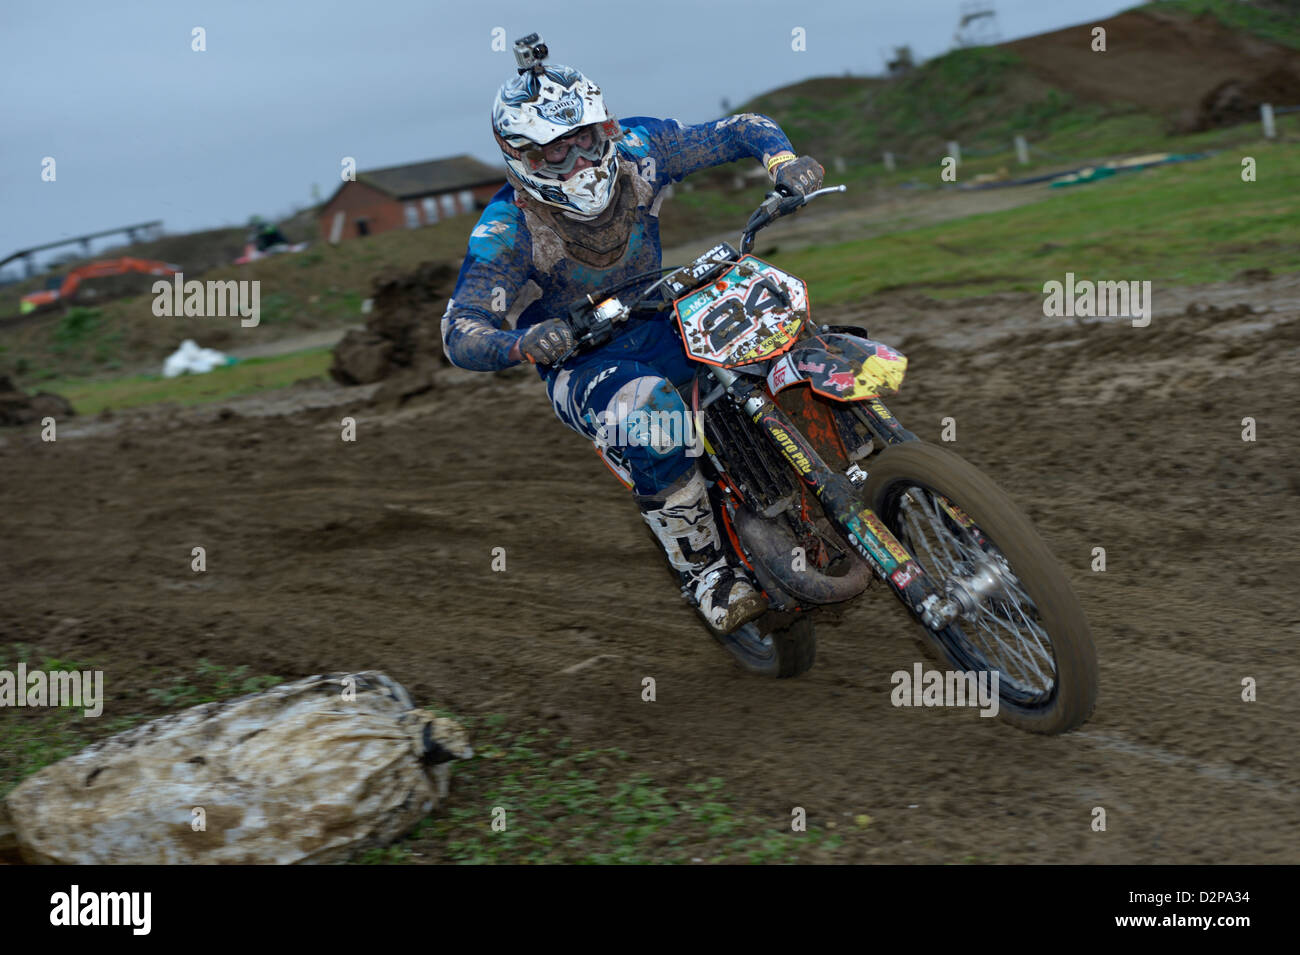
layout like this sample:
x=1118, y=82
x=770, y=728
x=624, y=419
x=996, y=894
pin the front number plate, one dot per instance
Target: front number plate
x=739, y=318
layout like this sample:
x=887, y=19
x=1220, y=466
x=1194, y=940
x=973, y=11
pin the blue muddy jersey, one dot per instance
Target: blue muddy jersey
x=505, y=254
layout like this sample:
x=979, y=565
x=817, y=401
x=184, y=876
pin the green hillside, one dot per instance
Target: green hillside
x=980, y=91
x=1276, y=20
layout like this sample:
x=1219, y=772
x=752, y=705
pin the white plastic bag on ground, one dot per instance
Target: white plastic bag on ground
x=192, y=359
x=312, y=771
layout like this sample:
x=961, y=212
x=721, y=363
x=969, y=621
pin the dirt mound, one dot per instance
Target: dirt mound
x=94, y=291
x=19, y=408
x=402, y=338
x=1170, y=64
x=195, y=252
x=1234, y=101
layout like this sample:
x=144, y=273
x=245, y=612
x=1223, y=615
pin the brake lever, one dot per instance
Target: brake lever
x=796, y=200
x=779, y=203
x=559, y=362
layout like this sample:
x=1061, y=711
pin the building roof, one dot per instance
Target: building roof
x=436, y=175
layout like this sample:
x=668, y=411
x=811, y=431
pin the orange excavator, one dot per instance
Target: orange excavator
x=64, y=289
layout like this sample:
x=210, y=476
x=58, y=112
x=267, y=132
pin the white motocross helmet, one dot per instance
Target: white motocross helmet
x=556, y=134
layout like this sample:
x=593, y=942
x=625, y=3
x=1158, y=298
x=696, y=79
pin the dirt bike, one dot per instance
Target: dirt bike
x=820, y=489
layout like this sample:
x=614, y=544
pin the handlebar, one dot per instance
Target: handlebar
x=593, y=317
x=776, y=204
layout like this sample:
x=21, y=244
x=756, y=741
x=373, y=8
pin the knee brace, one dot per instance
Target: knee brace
x=651, y=422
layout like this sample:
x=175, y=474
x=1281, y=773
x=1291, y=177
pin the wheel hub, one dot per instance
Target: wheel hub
x=969, y=591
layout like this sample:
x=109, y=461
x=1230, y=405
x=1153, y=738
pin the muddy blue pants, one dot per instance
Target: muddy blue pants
x=624, y=398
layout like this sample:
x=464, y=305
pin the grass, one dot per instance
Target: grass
x=322, y=287
x=31, y=739
x=978, y=89
x=75, y=326
x=556, y=803
x=93, y=395
x=40, y=737
x=1078, y=137
x=215, y=682
x=1276, y=20
x=560, y=803
x=1185, y=224
x=981, y=97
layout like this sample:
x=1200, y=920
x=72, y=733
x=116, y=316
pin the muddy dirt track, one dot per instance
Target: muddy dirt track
x=325, y=555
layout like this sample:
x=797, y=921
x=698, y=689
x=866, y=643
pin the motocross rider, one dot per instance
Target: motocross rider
x=265, y=234
x=580, y=212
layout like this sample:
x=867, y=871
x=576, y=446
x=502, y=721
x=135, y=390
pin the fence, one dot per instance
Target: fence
x=1021, y=147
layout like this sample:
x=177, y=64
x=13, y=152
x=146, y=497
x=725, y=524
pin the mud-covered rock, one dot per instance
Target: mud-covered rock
x=402, y=329
x=1238, y=100
x=406, y=383
x=307, y=772
x=361, y=357
x=19, y=408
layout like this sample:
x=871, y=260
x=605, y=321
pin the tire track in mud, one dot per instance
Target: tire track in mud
x=1221, y=771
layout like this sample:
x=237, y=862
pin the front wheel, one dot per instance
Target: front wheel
x=1020, y=618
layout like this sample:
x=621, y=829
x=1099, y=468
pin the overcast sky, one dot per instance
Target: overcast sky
x=142, y=127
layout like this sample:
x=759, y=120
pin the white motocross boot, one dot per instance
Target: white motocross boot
x=682, y=519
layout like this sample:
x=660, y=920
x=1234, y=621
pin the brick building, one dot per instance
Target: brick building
x=408, y=196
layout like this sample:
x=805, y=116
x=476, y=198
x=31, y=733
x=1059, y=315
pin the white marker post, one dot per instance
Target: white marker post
x=1266, y=114
x=889, y=161
x=1022, y=151
x=954, y=150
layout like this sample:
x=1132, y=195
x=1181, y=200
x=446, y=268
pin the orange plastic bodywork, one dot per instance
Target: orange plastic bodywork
x=812, y=413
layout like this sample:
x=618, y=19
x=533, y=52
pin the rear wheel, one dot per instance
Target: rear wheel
x=1020, y=617
x=774, y=645
x=778, y=644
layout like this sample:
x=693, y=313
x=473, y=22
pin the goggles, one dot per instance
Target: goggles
x=557, y=159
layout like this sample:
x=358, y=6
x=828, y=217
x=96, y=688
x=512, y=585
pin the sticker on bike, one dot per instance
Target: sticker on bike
x=843, y=368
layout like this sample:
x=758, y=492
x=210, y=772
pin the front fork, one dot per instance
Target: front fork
x=860, y=525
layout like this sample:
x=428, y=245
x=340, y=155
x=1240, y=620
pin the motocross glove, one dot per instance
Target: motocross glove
x=800, y=176
x=546, y=342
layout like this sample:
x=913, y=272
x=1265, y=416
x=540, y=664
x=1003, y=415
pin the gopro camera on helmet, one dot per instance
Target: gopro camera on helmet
x=530, y=52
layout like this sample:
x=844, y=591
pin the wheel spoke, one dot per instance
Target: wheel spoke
x=936, y=523
x=1005, y=631
x=989, y=622
x=1045, y=680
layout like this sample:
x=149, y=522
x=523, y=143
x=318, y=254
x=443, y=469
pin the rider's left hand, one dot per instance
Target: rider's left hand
x=801, y=176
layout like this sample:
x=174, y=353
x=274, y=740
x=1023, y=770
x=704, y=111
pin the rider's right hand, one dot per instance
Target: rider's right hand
x=546, y=342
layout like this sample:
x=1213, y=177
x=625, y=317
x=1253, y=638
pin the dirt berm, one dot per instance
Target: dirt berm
x=19, y=408
x=1198, y=72
x=401, y=343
